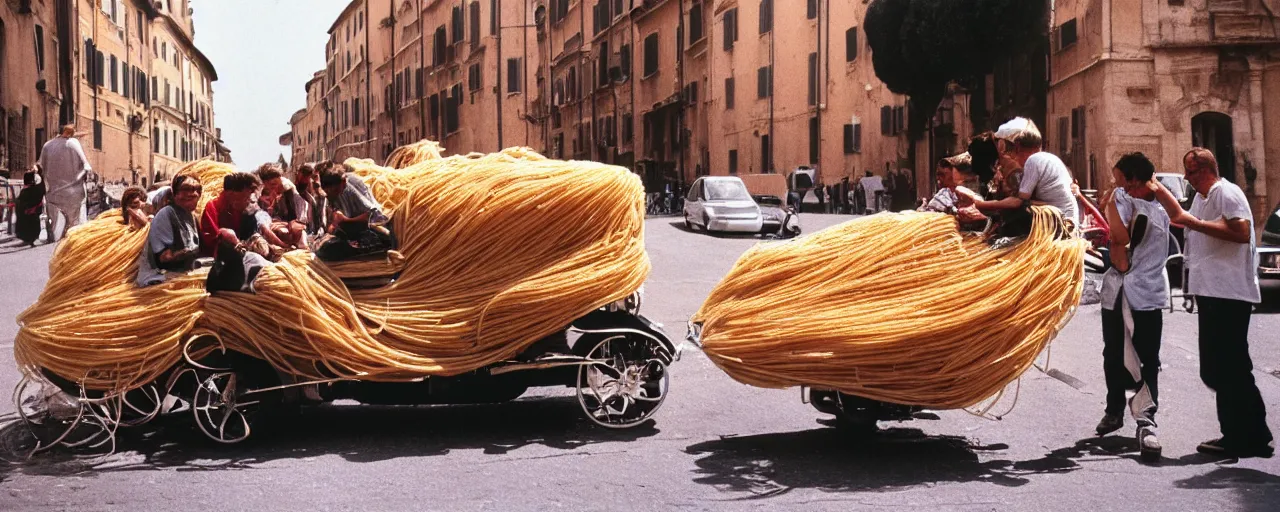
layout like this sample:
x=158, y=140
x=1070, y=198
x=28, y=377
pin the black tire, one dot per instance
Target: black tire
x=687, y=224
x=706, y=223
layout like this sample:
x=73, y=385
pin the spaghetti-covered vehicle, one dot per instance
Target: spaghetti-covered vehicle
x=511, y=271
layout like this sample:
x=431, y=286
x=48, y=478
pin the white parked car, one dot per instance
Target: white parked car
x=722, y=203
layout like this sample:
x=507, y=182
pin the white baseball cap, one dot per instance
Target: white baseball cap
x=1012, y=127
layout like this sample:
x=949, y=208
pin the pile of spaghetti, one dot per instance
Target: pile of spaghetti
x=495, y=252
x=899, y=308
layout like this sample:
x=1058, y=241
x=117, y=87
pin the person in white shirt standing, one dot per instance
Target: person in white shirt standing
x=65, y=167
x=1221, y=256
x=1045, y=179
x=1133, y=293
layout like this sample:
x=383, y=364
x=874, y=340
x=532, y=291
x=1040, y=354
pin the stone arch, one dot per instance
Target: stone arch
x=1214, y=131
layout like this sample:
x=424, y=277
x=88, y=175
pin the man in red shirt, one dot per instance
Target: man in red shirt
x=226, y=221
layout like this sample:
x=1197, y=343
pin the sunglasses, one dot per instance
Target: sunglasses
x=184, y=190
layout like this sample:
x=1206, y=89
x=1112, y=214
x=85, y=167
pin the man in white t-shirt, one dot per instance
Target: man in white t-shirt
x=1221, y=257
x=1045, y=179
x=870, y=185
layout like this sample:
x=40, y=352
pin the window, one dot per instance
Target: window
x=141, y=33
x=155, y=140
x=97, y=135
x=355, y=111
x=475, y=24
x=1066, y=34
x=650, y=55
x=473, y=77
x=627, y=129
x=39, y=48
x=814, y=139
x=733, y=161
x=456, y=25
x=813, y=79
x=728, y=93
x=695, y=23
x=624, y=61
x=766, y=16
x=438, y=53
x=115, y=74
x=730, y=28
x=886, y=120
x=852, y=138
x=514, y=79
x=811, y=9
x=418, y=82
x=602, y=68
x=125, y=78
x=452, y=114
x=766, y=155
x=164, y=51
x=764, y=82
x=851, y=44
x=493, y=17
x=155, y=89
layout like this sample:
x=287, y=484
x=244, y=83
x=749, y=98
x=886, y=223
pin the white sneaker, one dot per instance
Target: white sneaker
x=1148, y=443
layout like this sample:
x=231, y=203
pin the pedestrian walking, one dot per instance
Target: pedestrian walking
x=1221, y=256
x=28, y=205
x=818, y=192
x=1134, y=292
x=65, y=167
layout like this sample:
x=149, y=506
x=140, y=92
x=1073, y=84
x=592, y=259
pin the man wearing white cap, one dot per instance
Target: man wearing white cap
x=1045, y=179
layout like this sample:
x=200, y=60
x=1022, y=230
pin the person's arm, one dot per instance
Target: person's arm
x=84, y=161
x=209, y=232
x=1231, y=230
x=137, y=216
x=1119, y=238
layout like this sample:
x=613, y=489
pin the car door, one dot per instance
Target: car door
x=693, y=202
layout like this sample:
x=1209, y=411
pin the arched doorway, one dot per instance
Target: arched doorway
x=1212, y=131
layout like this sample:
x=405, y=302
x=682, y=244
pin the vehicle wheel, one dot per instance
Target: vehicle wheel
x=225, y=402
x=706, y=223
x=52, y=417
x=628, y=382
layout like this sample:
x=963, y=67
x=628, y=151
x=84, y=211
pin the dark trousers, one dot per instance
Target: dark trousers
x=1147, y=327
x=1226, y=368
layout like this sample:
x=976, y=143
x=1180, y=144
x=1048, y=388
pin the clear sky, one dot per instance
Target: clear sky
x=264, y=51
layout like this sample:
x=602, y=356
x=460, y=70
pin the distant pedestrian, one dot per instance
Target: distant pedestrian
x=1133, y=293
x=820, y=194
x=1221, y=256
x=65, y=167
x=873, y=189
x=28, y=205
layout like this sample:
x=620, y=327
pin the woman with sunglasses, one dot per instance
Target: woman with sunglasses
x=173, y=244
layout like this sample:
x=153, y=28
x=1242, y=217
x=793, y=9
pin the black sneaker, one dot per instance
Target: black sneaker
x=1110, y=423
x=1263, y=450
x=1212, y=447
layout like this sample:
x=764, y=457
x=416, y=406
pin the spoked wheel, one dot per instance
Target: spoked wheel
x=628, y=383
x=219, y=411
x=55, y=418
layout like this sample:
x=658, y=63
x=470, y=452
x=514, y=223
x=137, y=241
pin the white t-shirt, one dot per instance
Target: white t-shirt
x=871, y=185
x=1218, y=268
x=1144, y=285
x=1047, y=179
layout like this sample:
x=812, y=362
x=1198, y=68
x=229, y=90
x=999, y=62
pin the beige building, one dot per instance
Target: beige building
x=34, y=80
x=308, y=131
x=1160, y=77
x=145, y=100
x=349, y=88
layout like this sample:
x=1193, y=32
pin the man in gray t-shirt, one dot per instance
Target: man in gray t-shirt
x=1045, y=179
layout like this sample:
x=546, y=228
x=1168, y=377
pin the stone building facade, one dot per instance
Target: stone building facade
x=308, y=130
x=1161, y=77
x=144, y=93
x=35, y=77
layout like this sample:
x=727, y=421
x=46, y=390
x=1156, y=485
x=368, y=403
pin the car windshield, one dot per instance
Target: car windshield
x=726, y=190
x=1176, y=185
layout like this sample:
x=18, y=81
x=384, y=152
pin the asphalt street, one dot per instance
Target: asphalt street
x=715, y=445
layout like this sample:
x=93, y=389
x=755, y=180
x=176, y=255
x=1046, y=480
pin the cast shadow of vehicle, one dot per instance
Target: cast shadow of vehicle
x=835, y=461
x=1257, y=490
x=355, y=433
x=745, y=236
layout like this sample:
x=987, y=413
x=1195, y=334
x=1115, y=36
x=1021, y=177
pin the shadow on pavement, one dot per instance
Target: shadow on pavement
x=355, y=433
x=1257, y=490
x=745, y=236
x=834, y=460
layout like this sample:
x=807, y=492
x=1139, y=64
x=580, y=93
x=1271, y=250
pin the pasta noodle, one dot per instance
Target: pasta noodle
x=898, y=308
x=495, y=252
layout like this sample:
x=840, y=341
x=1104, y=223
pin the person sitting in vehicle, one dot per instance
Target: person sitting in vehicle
x=158, y=197
x=357, y=225
x=231, y=233
x=173, y=244
x=286, y=209
x=132, y=209
x=308, y=187
x=952, y=171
